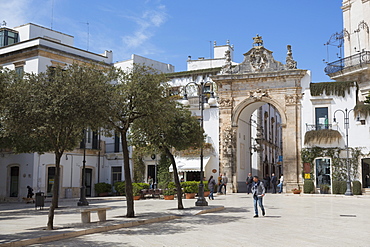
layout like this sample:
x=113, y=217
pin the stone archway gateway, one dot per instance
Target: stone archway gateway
x=258, y=80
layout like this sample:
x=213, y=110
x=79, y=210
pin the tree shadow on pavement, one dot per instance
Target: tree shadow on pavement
x=176, y=226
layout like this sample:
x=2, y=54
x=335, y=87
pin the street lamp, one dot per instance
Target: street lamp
x=83, y=201
x=153, y=156
x=204, y=103
x=346, y=125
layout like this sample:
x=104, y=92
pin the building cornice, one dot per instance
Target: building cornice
x=346, y=5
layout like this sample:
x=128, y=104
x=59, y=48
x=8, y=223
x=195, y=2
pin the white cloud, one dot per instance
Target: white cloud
x=147, y=22
x=14, y=12
x=19, y=12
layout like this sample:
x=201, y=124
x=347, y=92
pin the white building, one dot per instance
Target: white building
x=31, y=48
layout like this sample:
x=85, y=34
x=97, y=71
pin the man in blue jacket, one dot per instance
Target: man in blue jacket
x=258, y=192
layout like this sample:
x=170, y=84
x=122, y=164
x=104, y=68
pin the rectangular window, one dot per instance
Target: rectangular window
x=8, y=37
x=95, y=140
x=321, y=118
x=116, y=174
x=51, y=178
x=19, y=70
x=116, y=143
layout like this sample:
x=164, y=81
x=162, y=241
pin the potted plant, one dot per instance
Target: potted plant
x=324, y=189
x=296, y=191
x=103, y=189
x=169, y=194
x=136, y=190
x=190, y=189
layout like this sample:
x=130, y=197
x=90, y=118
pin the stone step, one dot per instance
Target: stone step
x=366, y=191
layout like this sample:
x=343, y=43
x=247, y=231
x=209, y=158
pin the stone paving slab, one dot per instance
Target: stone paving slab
x=291, y=220
x=23, y=225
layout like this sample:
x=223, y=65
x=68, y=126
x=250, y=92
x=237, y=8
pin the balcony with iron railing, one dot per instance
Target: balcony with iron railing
x=310, y=127
x=348, y=62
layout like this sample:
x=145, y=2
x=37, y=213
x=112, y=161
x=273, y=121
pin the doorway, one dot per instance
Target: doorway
x=14, y=181
x=365, y=173
x=50, y=182
x=88, y=181
x=323, y=174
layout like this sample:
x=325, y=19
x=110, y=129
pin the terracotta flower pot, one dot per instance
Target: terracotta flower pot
x=206, y=193
x=190, y=195
x=169, y=197
x=137, y=197
x=297, y=191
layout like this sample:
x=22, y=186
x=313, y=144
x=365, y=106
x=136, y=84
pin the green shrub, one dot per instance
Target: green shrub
x=103, y=187
x=142, y=186
x=162, y=185
x=190, y=186
x=171, y=185
x=356, y=187
x=169, y=192
x=136, y=189
x=206, y=186
x=308, y=187
x=120, y=187
x=339, y=187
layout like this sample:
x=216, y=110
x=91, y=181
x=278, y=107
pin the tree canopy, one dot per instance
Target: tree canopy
x=47, y=112
x=175, y=129
x=139, y=94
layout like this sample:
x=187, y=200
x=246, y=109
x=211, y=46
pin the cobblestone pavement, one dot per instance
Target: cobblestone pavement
x=291, y=220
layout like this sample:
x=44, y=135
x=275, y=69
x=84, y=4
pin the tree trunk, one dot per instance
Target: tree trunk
x=127, y=174
x=177, y=180
x=54, y=200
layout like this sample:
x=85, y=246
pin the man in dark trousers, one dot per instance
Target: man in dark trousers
x=258, y=192
x=249, y=182
x=273, y=183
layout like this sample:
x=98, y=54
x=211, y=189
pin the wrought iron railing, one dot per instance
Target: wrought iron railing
x=357, y=59
x=310, y=127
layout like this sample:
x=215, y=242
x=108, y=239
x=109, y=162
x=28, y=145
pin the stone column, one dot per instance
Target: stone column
x=227, y=143
x=292, y=143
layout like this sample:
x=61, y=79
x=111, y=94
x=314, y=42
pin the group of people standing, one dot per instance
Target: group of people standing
x=269, y=183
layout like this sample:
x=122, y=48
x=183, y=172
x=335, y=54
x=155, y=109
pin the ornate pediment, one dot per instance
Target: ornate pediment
x=260, y=59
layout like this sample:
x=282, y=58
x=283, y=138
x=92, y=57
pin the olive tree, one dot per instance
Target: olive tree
x=139, y=94
x=47, y=112
x=175, y=129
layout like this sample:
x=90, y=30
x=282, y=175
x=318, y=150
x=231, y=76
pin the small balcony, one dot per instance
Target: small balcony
x=310, y=127
x=321, y=134
x=348, y=62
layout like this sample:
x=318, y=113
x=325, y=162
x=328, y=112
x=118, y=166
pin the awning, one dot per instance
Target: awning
x=189, y=164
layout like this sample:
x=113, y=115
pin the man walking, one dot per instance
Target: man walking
x=224, y=181
x=280, y=185
x=273, y=183
x=258, y=192
x=249, y=182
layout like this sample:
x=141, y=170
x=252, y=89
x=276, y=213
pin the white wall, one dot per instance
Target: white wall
x=31, y=31
x=162, y=67
x=357, y=12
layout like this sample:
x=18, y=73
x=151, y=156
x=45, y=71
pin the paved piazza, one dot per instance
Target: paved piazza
x=291, y=220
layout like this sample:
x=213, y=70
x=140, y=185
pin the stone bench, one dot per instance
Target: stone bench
x=86, y=214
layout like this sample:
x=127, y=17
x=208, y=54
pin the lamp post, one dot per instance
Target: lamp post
x=153, y=156
x=203, y=104
x=83, y=201
x=346, y=125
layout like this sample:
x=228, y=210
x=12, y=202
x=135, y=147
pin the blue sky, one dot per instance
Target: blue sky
x=171, y=30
